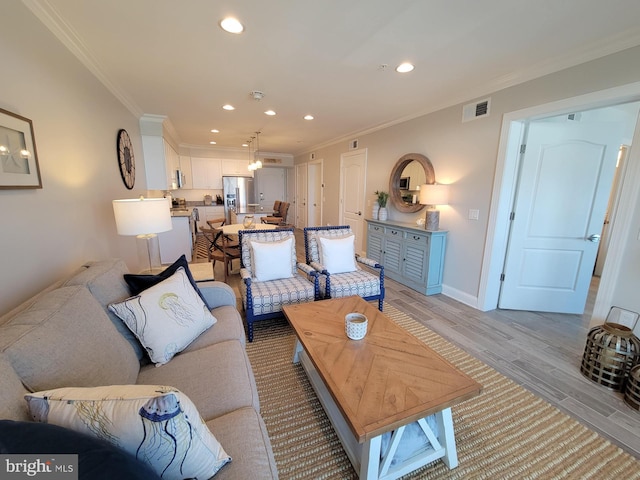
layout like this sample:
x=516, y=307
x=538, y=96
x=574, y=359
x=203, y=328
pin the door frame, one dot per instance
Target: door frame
x=511, y=135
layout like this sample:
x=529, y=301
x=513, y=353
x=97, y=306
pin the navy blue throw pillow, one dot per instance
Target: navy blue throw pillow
x=139, y=283
x=97, y=459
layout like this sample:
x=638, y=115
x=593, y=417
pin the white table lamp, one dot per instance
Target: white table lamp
x=144, y=218
x=432, y=195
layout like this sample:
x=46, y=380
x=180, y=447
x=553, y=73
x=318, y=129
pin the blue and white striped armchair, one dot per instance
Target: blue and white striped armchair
x=269, y=273
x=348, y=279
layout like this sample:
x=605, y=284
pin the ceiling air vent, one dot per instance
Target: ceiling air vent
x=475, y=110
x=272, y=161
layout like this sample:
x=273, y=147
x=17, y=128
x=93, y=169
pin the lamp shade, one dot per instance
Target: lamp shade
x=434, y=194
x=142, y=216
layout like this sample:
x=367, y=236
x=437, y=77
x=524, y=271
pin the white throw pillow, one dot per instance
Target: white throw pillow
x=338, y=254
x=158, y=425
x=272, y=260
x=167, y=317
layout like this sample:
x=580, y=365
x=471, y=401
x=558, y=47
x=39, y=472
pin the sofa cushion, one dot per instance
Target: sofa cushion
x=105, y=281
x=228, y=327
x=97, y=459
x=166, y=317
x=11, y=393
x=139, y=283
x=245, y=438
x=157, y=424
x=66, y=339
x=229, y=386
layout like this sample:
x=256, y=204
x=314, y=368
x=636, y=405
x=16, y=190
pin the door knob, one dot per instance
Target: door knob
x=595, y=238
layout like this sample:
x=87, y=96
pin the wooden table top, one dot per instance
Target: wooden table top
x=234, y=228
x=386, y=380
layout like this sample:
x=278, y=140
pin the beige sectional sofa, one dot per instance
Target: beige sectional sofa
x=67, y=337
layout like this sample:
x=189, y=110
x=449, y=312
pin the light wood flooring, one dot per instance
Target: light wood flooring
x=540, y=351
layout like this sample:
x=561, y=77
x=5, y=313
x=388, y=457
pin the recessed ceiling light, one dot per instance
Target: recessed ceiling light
x=308, y=117
x=404, y=67
x=270, y=113
x=215, y=130
x=212, y=143
x=231, y=25
x=228, y=107
x=245, y=144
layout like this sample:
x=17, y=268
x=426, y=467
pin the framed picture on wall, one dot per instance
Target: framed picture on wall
x=19, y=166
x=404, y=183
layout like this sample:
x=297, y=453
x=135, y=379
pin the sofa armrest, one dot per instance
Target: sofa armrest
x=217, y=294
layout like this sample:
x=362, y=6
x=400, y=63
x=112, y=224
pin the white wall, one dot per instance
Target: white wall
x=464, y=154
x=49, y=232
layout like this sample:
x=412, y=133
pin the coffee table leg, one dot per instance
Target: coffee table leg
x=446, y=437
x=296, y=351
x=370, y=460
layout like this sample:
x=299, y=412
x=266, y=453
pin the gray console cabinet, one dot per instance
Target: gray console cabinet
x=411, y=255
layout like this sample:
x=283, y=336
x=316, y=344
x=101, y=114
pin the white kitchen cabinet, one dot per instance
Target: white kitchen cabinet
x=185, y=170
x=161, y=162
x=236, y=168
x=206, y=173
x=177, y=241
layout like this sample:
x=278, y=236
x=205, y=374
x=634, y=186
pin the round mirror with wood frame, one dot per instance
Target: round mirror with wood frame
x=401, y=185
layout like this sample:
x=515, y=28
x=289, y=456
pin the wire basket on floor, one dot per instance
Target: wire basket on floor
x=632, y=391
x=611, y=350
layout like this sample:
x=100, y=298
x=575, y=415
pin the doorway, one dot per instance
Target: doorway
x=565, y=177
x=512, y=133
x=270, y=186
x=353, y=168
x=315, y=193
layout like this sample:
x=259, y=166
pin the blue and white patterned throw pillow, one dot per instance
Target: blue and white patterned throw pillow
x=157, y=424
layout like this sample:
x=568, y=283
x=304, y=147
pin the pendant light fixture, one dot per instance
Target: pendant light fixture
x=256, y=163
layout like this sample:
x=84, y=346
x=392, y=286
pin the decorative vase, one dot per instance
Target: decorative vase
x=374, y=210
x=382, y=213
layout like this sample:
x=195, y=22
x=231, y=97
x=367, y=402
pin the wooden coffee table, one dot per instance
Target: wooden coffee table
x=378, y=384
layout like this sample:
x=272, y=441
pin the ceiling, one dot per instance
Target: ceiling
x=325, y=58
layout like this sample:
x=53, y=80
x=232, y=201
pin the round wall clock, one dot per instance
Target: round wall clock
x=126, y=160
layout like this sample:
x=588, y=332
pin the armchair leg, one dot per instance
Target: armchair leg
x=250, y=330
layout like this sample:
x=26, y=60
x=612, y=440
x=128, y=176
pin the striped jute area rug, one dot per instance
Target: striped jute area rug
x=505, y=433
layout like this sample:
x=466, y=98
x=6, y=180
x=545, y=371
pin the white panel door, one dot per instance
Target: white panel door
x=564, y=183
x=301, y=195
x=271, y=186
x=314, y=194
x=353, y=167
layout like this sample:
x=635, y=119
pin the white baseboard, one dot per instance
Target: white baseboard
x=460, y=296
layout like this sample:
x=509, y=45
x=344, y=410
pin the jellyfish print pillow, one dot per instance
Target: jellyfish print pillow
x=167, y=317
x=159, y=425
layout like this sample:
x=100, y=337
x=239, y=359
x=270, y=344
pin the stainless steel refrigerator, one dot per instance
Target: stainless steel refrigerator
x=239, y=195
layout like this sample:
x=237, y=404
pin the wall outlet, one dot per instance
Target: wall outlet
x=474, y=214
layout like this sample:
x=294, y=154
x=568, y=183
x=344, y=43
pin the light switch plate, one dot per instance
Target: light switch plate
x=474, y=214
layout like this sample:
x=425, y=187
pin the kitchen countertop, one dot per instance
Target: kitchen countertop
x=182, y=212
